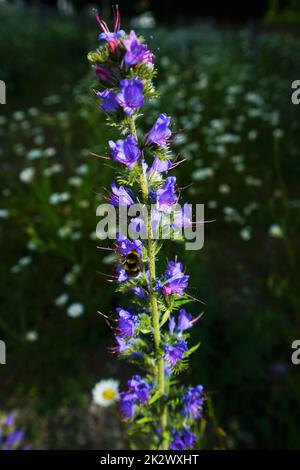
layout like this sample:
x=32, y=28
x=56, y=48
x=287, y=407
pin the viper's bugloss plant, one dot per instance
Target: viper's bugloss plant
x=152, y=330
x=11, y=438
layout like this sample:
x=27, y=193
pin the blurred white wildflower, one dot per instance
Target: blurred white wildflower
x=228, y=139
x=106, y=392
x=32, y=245
x=252, y=135
x=75, y=181
x=61, y=300
x=212, y=204
x=49, y=152
x=25, y=261
x=144, y=21
x=109, y=259
x=19, y=115
x=6, y=192
x=19, y=149
x=75, y=310
x=33, y=112
x=251, y=181
x=278, y=134
x=31, y=336
x=224, y=189
x=245, y=233
x=275, y=231
x=56, y=198
x=202, y=174
x=84, y=204
x=34, y=154
x=69, y=279
x=39, y=139
x=65, y=231
x=27, y=175
x=53, y=169
x=4, y=213
x=82, y=169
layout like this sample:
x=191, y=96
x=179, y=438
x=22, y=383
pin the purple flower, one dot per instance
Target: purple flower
x=109, y=103
x=120, y=196
x=126, y=151
x=108, y=36
x=127, y=323
x=182, y=218
x=140, y=389
x=125, y=245
x=136, y=52
x=183, y=440
x=172, y=325
x=122, y=275
x=175, y=281
x=177, y=442
x=11, y=438
x=166, y=196
x=127, y=405
x=122, y=344
x=193, y=402
x=184, y=320
x=138, y=393
x=103, y=73
x=160, y=132
x=139, y=292
x=130, y=97
x=175, y=353
x=160, y=166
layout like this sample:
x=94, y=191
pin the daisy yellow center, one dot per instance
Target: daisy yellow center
x=109, y=394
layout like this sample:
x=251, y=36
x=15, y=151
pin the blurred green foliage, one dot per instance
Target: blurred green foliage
x=229, y=95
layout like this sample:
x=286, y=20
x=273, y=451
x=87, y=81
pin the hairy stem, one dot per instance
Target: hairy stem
x=151, y=247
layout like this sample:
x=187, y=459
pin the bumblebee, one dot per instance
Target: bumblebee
x=132, y=263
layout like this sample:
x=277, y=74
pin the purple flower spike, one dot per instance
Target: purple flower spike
x=136, y=52
x=193, y=402
x=130, y=97
x=160, y=132
x=126, y=151
x=109, y=103
x=120, y=196
x=175, y=280
x=175, y=353
x=166, y=196
x=184, y=320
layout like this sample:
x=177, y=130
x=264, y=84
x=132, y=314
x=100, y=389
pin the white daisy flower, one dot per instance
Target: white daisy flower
x=106, y=392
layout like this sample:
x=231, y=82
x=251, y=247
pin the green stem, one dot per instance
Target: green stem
x=151, y=247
